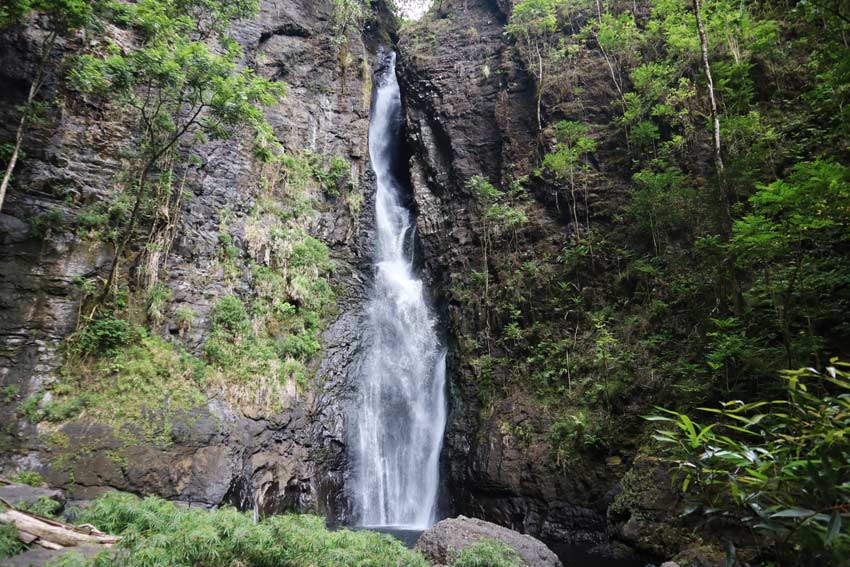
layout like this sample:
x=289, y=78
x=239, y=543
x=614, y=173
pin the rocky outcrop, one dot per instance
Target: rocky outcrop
x=441, y=543
x=291, y=459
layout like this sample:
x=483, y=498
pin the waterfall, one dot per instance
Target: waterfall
x=401, y=407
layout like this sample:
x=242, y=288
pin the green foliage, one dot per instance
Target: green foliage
x=332, y=175
x=49, y=221
x=487, y=553
x=568, y=437
x=103, y=335
x=533, y=17
x=158, y=533
x=9, y=393
x=662, y=203
x=780, y=466
x=184, y=83
x=10, y=545
x=65, y=15
x=347, y=14
x=30, y=478
x=229, y=315
x=31, y=408
x=44, y=506
x=146, y=383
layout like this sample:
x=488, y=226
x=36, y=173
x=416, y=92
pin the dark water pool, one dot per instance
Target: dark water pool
x=569, y=556
x=407, y=537
x=581, y=557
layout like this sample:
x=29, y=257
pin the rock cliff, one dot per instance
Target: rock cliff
x=290, y=458
x=471, y=111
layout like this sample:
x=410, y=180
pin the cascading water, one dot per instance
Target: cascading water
x=401, y=411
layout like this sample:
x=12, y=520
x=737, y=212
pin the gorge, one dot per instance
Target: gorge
x=278, y=277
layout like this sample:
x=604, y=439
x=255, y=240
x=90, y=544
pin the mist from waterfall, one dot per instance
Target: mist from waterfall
x=401, y=408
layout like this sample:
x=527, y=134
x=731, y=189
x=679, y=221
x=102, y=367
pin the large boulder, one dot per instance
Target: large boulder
x=441, y=543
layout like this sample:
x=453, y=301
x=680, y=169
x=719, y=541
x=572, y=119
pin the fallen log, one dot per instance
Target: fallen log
x=53, y=532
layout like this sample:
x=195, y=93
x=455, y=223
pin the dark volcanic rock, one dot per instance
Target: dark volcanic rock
x=38, y=556
x=471, y=111
x=441, y=543
x=291, y=459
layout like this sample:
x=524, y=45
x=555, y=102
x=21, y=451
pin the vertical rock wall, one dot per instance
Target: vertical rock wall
x=471, y=110
x=294, y=459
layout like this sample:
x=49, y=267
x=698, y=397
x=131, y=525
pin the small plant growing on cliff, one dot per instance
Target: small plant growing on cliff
x=10, y=545
x=347, y=14
x=533, y=24
x=568, y=161
x=30, y=478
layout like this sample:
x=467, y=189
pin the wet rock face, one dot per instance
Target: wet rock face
x=292, y=460
x=517, y=484
x=471, y=111
x=441, y=543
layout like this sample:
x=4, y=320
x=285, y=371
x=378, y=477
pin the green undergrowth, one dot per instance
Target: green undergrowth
x=44, y=506
x=141, y=379
x=156, y=533
x=260, y=346
x=10, y=545
x=30, y=478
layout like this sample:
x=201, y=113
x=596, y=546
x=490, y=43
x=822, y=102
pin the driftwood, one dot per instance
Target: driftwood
x=51, y=534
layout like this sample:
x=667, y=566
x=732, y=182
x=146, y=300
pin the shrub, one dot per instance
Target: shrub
x=30, y=478
x=780, y=466
x=145, y=384
x=44, y=506
x=104, y=335
x=230, y=314
x=10, y=545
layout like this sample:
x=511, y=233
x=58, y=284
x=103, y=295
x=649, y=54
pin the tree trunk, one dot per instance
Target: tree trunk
x=723, y=197
x=52, y=532
x=46, y=48
x=14, y=159
x=539, y=86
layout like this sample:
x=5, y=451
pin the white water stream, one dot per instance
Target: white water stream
x=401, y=411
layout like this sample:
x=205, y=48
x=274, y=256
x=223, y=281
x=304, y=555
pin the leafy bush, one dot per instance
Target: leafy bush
x=229, y=314
x=104, y=335
x=579, y=431
x=145, y=383
x=31, y=408
x=30, y=478
x=487, y=553
x=44, y=506
x=780, y=466
x=10, y=545
x=157, y=533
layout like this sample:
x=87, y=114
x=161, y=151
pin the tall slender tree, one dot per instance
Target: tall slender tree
x=65, y=17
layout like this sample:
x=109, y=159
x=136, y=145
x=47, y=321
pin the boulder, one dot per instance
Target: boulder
x=38, y=556
x=444, y=540
x=22, y=495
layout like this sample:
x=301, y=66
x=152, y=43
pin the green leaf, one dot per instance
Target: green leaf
x=794, y=513
x=834, y=526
